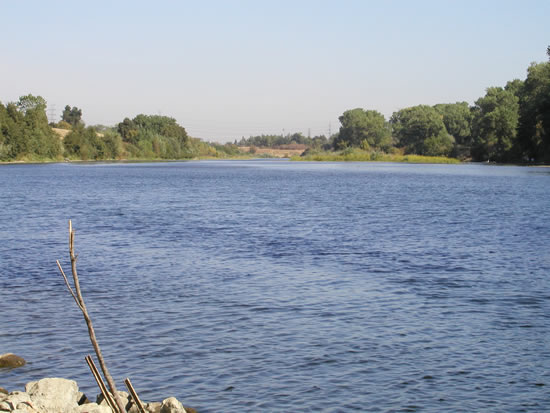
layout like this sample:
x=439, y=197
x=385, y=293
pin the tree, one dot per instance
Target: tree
x=30, y=102
x=128, y=130
x=363, y=128
x=420, y=130
x=534, y=114
x=495, y=125
x=72, y=116
x=457, y=119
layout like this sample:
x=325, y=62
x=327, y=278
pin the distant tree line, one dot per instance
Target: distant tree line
x=275, y=141
x=508, y=124
x=26, y=135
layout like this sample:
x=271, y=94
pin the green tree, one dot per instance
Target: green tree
x=363, y=128
x=86, y=143
x=30, y=102
x=128, y=130
x=72, y=116
x=495, y=125
x=457, y=119
x=420, y=130
x=534, y=114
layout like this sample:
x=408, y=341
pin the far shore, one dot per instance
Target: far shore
x=411, y=159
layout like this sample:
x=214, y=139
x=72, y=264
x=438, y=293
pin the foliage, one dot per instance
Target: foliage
x=155, y=137
x=359, y=155
x=24, y=131
x=534, y=114
x=63, y=125
x=420, y=130
x=507, y=124
x=495, y=125
x=457, y=118
x=276, y=141
x=30, y=102
x=363, y=128
x=73, y=116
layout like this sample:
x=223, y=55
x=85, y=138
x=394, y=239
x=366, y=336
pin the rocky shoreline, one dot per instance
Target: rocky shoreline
x=57, y=395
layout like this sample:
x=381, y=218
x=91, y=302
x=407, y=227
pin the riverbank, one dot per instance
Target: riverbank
x=58, y=395
x=357, y=155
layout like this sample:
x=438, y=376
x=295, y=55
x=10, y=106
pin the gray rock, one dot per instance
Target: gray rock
x=18, y=397
x=10, y=360
x=5, y=406
x=29, y=385
x=153, y=407
x=172, y=405
x=54, y=395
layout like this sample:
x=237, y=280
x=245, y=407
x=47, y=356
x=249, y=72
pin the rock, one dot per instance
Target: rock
x=54, y=395
x=3, y=391
x=10, y=360
x=153, y=407
x=126, y=399
x=29, y=385
x=93, y=408
x=17, y=400
x=172, y=405
x=17, y=397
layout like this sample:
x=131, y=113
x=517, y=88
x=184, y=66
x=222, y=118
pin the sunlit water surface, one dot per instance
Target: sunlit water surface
x=276, y=286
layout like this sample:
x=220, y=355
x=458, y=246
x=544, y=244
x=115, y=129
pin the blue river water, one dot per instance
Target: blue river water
x=278, y=286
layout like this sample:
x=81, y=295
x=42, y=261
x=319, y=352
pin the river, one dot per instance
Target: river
x=272, y=285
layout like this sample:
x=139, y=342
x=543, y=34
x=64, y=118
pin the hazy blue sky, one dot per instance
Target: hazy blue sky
x=226, y=69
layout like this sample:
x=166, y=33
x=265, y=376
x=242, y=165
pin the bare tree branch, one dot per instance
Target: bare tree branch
x=68, y=285
x=91, y=332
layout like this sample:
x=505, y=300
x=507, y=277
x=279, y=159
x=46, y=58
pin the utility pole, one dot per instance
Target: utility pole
x=329, y=130
x=51, y=113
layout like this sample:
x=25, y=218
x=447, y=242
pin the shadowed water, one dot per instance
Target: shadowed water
x=277, y=286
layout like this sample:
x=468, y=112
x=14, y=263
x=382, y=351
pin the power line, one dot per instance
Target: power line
x=51, y=113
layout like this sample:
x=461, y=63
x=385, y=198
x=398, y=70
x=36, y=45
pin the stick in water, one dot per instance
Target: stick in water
x=80, y=302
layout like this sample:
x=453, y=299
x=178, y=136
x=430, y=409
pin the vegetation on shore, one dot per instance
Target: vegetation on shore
x=360, y=155
x=510, y=124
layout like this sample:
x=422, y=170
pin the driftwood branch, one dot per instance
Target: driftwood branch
x=134, y=395
x=100, y=383
x=80, y=302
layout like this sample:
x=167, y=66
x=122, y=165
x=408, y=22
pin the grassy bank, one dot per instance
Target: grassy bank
x=357, y=155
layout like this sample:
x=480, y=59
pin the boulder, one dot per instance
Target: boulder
x=10, y=360
x=153, y=407
x=54, y=395
x=172, y=405
x=17, y=401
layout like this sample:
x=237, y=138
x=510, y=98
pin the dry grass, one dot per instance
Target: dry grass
x=61, y=132
x=275, y=153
